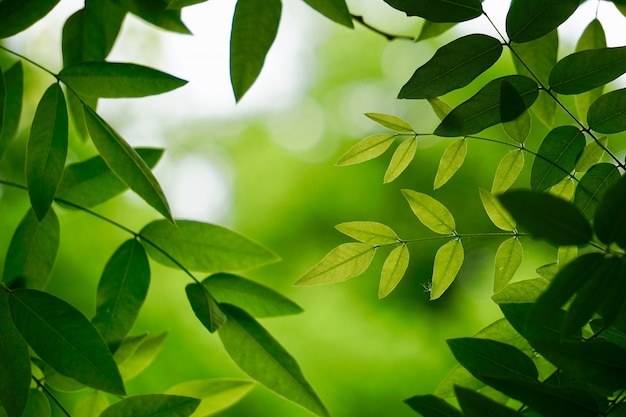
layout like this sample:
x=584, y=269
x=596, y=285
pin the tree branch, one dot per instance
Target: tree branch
x=388, y=36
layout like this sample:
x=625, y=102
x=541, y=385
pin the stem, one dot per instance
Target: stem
x=30, y=61
x=51, y=395
x=388, y=36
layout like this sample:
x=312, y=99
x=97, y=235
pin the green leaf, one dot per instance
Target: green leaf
x=12, y=108
x=150, y=405
x=32, y=251
x=593, y=186
x=508, y=170
x=393, y=270
x=255, y=25
x=439, y=11
x=545, y=109
x=548, y=271
x=440, y=108
x=566, y=254
x=157, y=13
x=538, y=56
x=18, y=15
x=430, y=212
x=507, y=262
x=179, y=4
x=345, y=262
x=585, y=70
x=203, y=247
x=215, y=394
x=137, y=353
x=475, y=404
x=205, y=307
x=64, y=338
x=450, y=162
x=531, y=19
x=432, y=30
x=91, y=404
x=432, y=406
x=483, y=110
x=47, y=150
x=448, y=262
x=592, y=154
x=58, y=381
x=369, y=232
x=335, y=10
x=497, y=214
x=610, y=218
x=122, y=290
x=117, y=79
x=38, y=405
x=556, y=157
x=14, y=363
x=402, y=157
x=91, y=182
x=606, y=114
x=259, y=355
x=368, y=148
x=126, y=163
x=518, y=129
x=453, y=66
x=548, y=328
x=593, y=37
x=547, y=217
x=391, y=122
x=525, y=291
x=564, y=189
x=257, y=299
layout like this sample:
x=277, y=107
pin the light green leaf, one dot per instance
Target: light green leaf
x=64, y=338
x=592, y=187
x=369, y=232
x=507, y=262
x=391, y=122
x=32, y=251
x=539, y=56
x=126, y=163
x=254, y=29
x=566, y=254
x=205, y=307
x=593, y=37
x=393, y=270
x=58, y=381
x=203, y=247
x=564, y=189
x=345, y=262
x=448, y=262
x=432, y=406
x=508, y=170
x=545, y=109
x=526, y=291
x=368, y=148
x=518, y=129
x=335, y=10
x=215, y=394
x=527, y=20
x=143, y=352
x=606, y=114
x=91, y=404
x=450, y=162
x=128, y=347
x=556, y=157
x=497, y=214
x=430, y=212
x=38, y=405
x=432, y=30
x=439, y=11
x=592, y=154
x=12, y=107
x=18, y=15
x=47, y=150
x=151, y=405
x=441, y=108
x=259, y=355
x=402, y=157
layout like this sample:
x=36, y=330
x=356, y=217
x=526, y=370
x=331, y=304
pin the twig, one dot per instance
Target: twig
x=388, y=36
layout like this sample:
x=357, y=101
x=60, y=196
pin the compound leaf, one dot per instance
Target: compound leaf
x=430, y=212
x=393, y=270
x=368, y=148
x=346, y=261
x=369, y=232
x=450, y=162
x=448, y=262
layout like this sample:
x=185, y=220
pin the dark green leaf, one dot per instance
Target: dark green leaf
x=32, y=251
x=592, y=154
x=205, y=307
x=475, y=404
x=38, y=405
x=122, y=290
x=126, y=163
x=335, y=10
x=556, y=157
x=431, y=406
x=151, y=405
x=18, y=15
x=610, y=219
x=548, y=328
x=12, y=107
x=439, y=11
x=592, y=187
x=257, y=299
x=484, y=108
x=136, y=353
x=531, y=19
x=453, y=66
x=65, y=339
x=369, y=232
x=215, y=394
x=203, y=247
x=47, y=150
x=345, y=262
x=179, y=4
x=606, y=114
x=432, y=30
x=255, y=25
x=548, y=217
x=158, y=13
x=258, y=354
x=618, y=410
x=593, y=37
x=512, y=105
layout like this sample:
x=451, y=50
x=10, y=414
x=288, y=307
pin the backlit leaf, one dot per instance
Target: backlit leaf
x=592, y=187
x=259, y=355
x=432, y=406
x=525, y=291
x=17, y=15
x=610, y=218
x=475, y=404
x=346, y=261
x=556, y=157
x=64, y=338
x=592, y=154
x=391, y=122
x=203, y=247
x=157, y=13
x=566, y=254
x=448, y=262
x=335, y=10
x=402, y=157
x=564, y=189
x=593, y=37
x=150, y=405
x=518, y=129
x=497, y=214
x=91, y=404
x=205, y=307
x=439, y=10
x=508, y=170
x=430, y=212
x=538, y=56
x=368, y=148
x=215, y=394
x=507, y=262
x=38, y=405
x=432, y=30
x=450, y=162
x=254, y=29
x=548, y=271
x=453, y=66
x=12, y=109
x=369, y=232
x=606, y=114
x=441, y=108
x=393, y=270
x=531, y=19
x=143, y=352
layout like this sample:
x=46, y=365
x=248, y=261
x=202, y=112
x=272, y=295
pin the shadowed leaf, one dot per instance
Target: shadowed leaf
x=593, y=186
x=12, y=105
x=335, y=10
x=215, y=395
x=17, y=15
x=607, y=114
x=150, y=405
x=556, y=157
x=205, y=307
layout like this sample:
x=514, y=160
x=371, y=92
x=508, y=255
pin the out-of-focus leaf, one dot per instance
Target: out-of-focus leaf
x=592, y=154
x=525, y=291
x=507, y=262
x=393, y=270
x=450, y=162
x=497, y=214
x=158, y=13
x=12, y=106
x=475, y=404
x=566, y=254
x=548, y=271
x=91, y=405
x=593, y=37
x=441, y=108
x=255, y=25
x=391, y=122
x=368, y=148
x=369, y=232
x=37, y=405
x=179, y=4
x=453, y=66
x=593, y=186
x=432, y=406
x=143, y=354
x=203, y=247
x=448, y=262
x=430, y=212
x=432, y=30
x=335, y=10
x=150, y=405
x=18, y=15
x=508, y=170
x=346, y=261
x=556, y=157
x=259, y=355
x=402, y=157
x=439, y=11
x=620, y=409
x=205, y=307
x=610, y=218
x=531, y=19
x=58, y=381
x=215, y=394
x=548, y=328
x=64, y=338
x=606, y=113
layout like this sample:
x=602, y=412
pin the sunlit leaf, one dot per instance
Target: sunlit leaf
x=508, y=170
x=430, y=212
x=507, y=262
x=65, y=339
x=450, y=162
x=593, y=186
x=369, y=232
x=402, y=157
x=259, y=355
x=556, y=157
x=368, y=148
x=441, y=108
x=203, y=247
x=391, y=122
x=475, y=404
x=531, y=19
x=205, y=307
x=150, y=405
x=12, y=107
x=393, y=270
x=439, y=11
x=564, y=189
x=17, y=15
x=158, y=13
x=215, y=394
x=497, y=214
x=432, y=406
x=32, y=251
x=592, y=154
x=91, y=404
x=432, y=30
x=254, y=29
x=537, y=57
x=525, y=291
x=610, y=218
x=143, y=352
x=593, y=37
x=606, y=113
x=448, y=262
x=566, y=254
x=335, y=10
x=453, y=66
x=346, y=261
x=38, y=405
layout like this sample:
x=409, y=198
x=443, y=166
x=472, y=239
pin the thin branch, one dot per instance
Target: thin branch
x=51, y=395
x=388, y=36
